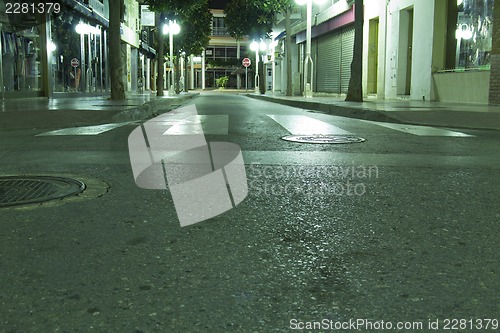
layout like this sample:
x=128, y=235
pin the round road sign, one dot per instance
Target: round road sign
x=75, y=62
x=246, y=62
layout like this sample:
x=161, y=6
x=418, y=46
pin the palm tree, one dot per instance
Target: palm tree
x=355, y=90
x=116, y=10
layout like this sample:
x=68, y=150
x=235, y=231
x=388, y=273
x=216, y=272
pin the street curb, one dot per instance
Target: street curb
x=152, y=108
x=336, y=110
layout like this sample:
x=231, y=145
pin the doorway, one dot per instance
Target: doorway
x=405, y=51
x=373, y=56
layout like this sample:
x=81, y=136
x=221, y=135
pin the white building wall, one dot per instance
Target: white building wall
x=422, y=48
x=374, y=9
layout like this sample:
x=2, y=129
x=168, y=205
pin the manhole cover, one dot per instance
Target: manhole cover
x=323, y=138
x=22, y=190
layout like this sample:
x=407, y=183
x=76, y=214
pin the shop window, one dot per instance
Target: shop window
x=231, y=52
x=88, y=72
x=474, y=33
x=220, y=52
x=21, y=58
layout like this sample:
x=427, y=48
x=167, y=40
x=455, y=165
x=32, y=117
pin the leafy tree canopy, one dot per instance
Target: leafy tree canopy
x=197, y=27
x=195, y=20
x=253, y=18
x=172, y=8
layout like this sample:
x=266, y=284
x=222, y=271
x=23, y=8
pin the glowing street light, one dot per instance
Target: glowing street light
x=85, y=29
x=172, y=28
x=51, y=46
x=254, y=46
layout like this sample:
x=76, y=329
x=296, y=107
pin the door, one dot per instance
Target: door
x=410, y=53
x=373, y=56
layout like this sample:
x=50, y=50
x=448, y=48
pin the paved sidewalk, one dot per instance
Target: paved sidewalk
x=398, y=111
x=83, y=111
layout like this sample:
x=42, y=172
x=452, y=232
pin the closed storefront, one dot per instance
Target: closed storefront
x=333, y=61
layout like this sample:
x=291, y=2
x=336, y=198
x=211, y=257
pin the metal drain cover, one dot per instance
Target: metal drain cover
x=323, y=138
x=22, y=190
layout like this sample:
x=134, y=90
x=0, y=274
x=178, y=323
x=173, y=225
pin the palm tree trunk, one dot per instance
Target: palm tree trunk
x=159, y=81
x=115, y=56
x=355, y=91
x=288, y=41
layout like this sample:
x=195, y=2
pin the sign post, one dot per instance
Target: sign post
x=75, y=63
x=246, y=62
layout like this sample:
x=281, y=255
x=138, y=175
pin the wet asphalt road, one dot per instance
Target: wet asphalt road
x=415, y=239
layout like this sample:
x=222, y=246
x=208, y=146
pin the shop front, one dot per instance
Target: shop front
x=78, y=63
x=21, y=63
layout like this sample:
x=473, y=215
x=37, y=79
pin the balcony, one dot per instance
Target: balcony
x=219, y=31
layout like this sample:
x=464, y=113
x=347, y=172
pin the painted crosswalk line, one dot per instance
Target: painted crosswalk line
x=421, y=130
x=85, y=130
x=210, y=124
x=298, y=125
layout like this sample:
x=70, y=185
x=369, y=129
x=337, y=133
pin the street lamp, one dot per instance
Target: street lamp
x=172, y=28
x=256, y=46
x=182, y=79
x=308, y=62
x=85, y=29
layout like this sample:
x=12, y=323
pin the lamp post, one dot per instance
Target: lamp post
x=308, y=62
x=172, y=28
x=182, y=79
x=255, y=46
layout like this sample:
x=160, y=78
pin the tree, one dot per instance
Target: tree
x=195, y=20
x=116, y=10
x=195, y=34
x=160, y=54
x=250, y=18
x=255, y=19
x=355, y=90
x=288, y=45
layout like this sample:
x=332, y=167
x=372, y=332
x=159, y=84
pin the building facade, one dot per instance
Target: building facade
x=432, y=50
x=64, y=51
x=223, y=57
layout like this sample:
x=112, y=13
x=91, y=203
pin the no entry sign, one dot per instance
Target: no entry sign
x=75, y=62
x=246, y=62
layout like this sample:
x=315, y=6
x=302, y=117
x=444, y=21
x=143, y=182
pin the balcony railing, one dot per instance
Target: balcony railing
x=219, y=31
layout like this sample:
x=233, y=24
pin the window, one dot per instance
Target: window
x=231, y=52
x=474, y=33
x=219, y=27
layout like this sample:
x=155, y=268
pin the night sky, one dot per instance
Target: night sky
x=218, y=4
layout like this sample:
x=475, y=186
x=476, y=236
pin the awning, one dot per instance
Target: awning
x=281, y=35
x=86, y=11
x=148, y=50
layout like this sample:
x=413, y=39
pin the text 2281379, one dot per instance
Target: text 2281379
x=32, y=8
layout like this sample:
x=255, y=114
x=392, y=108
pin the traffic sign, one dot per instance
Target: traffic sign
x=74, y=62
x=246, y=62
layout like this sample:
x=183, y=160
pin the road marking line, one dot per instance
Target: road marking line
x=298, y=125
x=85, y=130
x=421, y=130
x=210, y=124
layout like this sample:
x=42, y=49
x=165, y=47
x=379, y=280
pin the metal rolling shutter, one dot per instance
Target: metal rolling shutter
x=347, y=51
x=328, y=64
